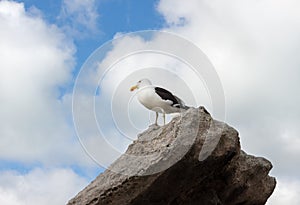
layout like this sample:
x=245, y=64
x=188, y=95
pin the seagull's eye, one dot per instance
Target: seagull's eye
x=139, y=81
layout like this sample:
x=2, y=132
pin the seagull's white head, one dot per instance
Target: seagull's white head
x=141, y=83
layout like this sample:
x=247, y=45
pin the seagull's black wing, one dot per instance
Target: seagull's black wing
x=167, y=95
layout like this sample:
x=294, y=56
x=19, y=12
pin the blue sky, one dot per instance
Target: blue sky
x=253, y=46
x=114, y=16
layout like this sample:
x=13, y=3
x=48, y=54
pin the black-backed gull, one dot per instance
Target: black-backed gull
x=158, y=99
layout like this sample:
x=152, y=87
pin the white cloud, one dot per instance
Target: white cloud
x=79, y=17
x=254, y=47
x=36, y=62
x=248, y=43
x=287, y=192
x=44, y=187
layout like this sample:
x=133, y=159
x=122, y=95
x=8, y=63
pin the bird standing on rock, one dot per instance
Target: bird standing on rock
x=158, y=99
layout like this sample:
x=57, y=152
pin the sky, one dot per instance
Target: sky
x=54, y=54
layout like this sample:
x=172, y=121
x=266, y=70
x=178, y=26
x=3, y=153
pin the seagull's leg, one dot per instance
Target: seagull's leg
x=156, y=118
x=164, y=116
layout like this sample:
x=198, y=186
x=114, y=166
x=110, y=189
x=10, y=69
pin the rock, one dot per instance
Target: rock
x=194, y=159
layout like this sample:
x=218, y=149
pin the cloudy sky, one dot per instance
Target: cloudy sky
x=253, y=46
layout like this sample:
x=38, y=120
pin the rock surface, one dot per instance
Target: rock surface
x=194, y=159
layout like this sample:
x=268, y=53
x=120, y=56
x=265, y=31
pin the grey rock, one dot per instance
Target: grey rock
x=194, y=159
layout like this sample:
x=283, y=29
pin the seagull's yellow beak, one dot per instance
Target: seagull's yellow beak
x=133, y=88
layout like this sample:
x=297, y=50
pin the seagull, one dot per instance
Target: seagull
x=158, y=99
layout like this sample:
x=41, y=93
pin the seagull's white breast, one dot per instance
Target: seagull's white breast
x=148, y=97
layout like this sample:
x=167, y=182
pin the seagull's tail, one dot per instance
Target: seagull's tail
x=181, y=104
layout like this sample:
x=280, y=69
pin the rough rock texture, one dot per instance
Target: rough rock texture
x=191, y=160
